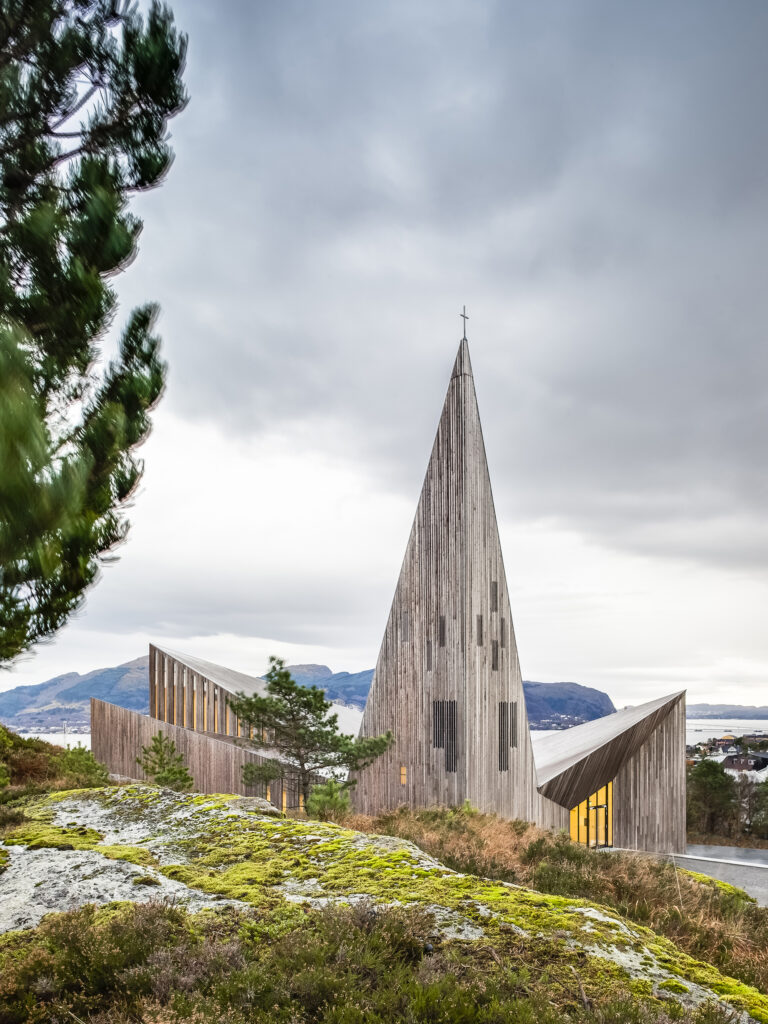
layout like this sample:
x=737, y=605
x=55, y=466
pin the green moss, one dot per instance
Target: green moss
x=258, y=860
x=4, y=859
x=670, y=985
x=39, y=835
x=716, y=883
x=146, y=880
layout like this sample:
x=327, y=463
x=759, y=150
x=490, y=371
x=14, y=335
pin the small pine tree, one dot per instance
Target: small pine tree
x=295, y=723
x=328, y=801
x=164, y=765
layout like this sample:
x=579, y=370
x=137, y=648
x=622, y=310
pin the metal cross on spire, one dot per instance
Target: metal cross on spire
x=465, y=317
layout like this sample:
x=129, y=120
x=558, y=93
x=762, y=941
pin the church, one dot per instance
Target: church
x=448, y=685
x=448, y=682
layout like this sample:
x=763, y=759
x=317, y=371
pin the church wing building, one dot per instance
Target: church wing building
x=448, y=685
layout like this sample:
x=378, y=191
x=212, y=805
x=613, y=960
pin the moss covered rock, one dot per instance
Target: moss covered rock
x=219, y=847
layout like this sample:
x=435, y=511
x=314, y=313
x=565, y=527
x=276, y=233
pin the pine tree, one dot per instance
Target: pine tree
x=294, y=724
x=164, y=765
x=86, y=91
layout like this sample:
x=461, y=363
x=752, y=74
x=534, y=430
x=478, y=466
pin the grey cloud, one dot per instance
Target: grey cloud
x=591, y=179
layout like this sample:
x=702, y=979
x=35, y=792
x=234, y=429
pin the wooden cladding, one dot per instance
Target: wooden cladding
x=444, y=730
x=449, y=641
x=507, y=732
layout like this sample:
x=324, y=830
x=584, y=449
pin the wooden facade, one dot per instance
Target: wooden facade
x=214, y=762
x=194, y=694
x=448, y=685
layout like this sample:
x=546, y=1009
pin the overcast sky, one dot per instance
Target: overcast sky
x=591, y=179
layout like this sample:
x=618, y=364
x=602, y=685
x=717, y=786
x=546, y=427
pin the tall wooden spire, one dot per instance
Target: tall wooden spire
x=447, y=681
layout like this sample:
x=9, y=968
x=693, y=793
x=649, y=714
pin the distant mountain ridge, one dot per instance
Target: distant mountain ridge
x=66, y=698
x=727, y=711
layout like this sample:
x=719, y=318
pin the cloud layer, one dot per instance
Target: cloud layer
x=591, y=180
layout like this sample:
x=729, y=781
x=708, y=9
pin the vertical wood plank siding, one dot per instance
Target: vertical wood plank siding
x=449, y=642
x=214, y=762
x=460, y=644
x=447, y=681
x=649, y=790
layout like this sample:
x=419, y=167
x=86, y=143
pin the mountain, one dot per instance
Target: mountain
x=558, y=705
x=726, y=711
x=46, y=706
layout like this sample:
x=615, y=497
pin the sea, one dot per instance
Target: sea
x=697, y=730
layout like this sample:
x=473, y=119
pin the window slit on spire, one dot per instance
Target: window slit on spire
x=507, y=732
x=479, y=630
x=444, y=731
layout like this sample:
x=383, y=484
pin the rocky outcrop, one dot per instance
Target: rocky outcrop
x=132, y=842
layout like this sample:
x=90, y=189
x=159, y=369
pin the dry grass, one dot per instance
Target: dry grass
x=708, y=921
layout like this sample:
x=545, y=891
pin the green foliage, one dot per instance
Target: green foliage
x=164, y=765
x=713, y=804
x=329, y=801
x=337, y=965
x=760, y=814
x=33, y=766
x=86, y=93
x=294, y=724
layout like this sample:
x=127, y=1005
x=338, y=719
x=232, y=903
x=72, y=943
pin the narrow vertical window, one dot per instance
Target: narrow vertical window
x=513, y=724
x=441, y=631
x=450, y=737
x=405, y=628
x=495, y=655
x=495, y=596
x=479, y=630
x=269, y=794
x=403, y=775
x=429, y=655
x=503, y=633
x=444, y=730
x=438, y=724
x=285, y=800
x=503, y=736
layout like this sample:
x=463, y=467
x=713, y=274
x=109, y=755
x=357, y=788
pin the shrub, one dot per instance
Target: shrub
x=30, y=766
x=335, y=965
x=164, y=765
x=329, y=801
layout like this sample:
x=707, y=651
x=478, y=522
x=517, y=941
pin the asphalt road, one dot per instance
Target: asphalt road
x=748, y=869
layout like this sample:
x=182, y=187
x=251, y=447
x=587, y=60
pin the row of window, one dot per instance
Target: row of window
x=444, y=731
x=495, y=644
x=405, y=626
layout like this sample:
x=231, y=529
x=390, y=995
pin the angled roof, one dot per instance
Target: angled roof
x=576, y=762
x=227, y=678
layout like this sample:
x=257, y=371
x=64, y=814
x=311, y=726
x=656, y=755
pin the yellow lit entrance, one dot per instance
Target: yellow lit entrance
x=592, y=820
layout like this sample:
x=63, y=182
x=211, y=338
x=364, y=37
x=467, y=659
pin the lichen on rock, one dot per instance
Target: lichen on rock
x=220, y=848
